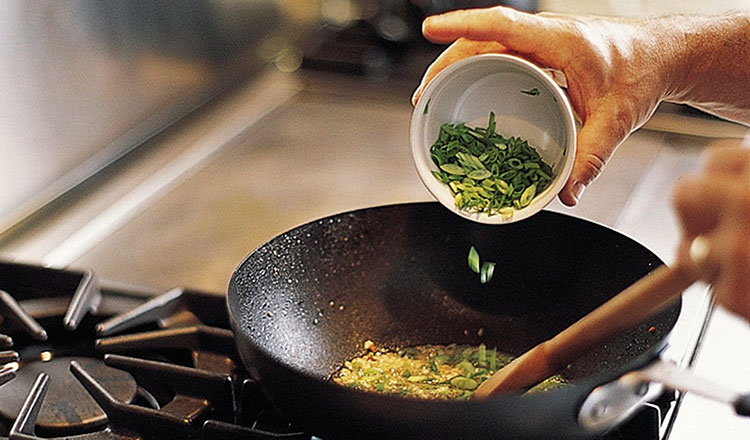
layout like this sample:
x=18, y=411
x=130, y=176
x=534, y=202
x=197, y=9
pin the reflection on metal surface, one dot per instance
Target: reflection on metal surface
x=92, y=80
x=220, y=129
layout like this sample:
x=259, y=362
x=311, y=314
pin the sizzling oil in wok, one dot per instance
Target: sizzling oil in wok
x=428, y=371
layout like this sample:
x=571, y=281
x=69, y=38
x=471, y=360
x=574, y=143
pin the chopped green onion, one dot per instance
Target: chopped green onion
x=464, y=383
x=531, y=92
x=486, y=269
x=506, y=213
x=466, y=365
x=474, y=259
x=442, y=358
x=502, y=186
x=486, y=172
x=527, y=195
x=459, y=200
x=485, y=275
x=453, y=168
x=479, y=174
x=493, y=359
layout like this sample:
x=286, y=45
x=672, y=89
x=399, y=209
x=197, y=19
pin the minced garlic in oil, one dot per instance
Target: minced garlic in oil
x=428, y=371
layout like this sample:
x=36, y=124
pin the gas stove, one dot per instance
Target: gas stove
x=79, y=361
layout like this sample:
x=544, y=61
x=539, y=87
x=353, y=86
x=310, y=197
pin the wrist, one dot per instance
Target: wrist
x=709, y=60
x=672, y=56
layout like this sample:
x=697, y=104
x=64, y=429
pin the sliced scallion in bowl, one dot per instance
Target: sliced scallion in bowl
x=486, y=172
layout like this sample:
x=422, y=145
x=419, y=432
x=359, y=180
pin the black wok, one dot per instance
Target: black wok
x=307, y=300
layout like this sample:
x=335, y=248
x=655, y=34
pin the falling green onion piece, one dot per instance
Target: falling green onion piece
x=485, y=275
x=474, y=259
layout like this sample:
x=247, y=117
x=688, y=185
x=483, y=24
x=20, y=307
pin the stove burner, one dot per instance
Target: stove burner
x=8, y=356
x=9, y=307
x=68, y=408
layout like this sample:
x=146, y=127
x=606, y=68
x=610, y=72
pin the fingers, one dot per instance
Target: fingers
x=494, y=30
x=520, y=32
x=727, y=160
x=460, y=49
x=723, y=187
x=716, y=205
x=696, y=210
x=597, y=141
x=701, y=202
x=726, y=266
x=732, y=283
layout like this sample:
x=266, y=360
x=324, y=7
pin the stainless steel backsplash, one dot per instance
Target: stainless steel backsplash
x=83, y=82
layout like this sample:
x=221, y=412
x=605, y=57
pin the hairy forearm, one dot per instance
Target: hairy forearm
x=711, y=67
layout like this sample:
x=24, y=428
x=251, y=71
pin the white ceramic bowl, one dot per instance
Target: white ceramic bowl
x=467, y=91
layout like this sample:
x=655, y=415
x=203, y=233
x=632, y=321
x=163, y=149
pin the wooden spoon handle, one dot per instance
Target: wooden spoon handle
x=647, y=296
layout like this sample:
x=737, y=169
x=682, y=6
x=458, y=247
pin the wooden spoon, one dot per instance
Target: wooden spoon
x=647, y=296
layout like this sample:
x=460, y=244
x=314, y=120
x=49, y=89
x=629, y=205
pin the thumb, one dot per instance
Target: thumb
x=597, y=141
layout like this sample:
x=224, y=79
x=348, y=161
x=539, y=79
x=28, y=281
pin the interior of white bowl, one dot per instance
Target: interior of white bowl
x=527, y=104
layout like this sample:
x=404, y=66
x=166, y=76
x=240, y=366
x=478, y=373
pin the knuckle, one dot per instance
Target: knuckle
x=592, y=166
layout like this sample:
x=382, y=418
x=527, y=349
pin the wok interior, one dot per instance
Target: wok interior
x=399, y=276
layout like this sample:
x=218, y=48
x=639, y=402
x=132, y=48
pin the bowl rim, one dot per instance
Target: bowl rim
x=424, y=164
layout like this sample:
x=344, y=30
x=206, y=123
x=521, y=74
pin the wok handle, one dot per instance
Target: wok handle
x=685, y=380
x=646, y=297
x=609, y=404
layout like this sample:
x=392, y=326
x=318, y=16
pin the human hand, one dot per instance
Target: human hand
x=617, y=70
x=715, y=204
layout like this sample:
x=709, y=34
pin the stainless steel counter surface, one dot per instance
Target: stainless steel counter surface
x=85, y=82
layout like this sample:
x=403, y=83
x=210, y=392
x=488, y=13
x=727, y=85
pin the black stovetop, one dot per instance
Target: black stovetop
x=78, y=361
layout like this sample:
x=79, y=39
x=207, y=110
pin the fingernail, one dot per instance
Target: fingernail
x=577, y=191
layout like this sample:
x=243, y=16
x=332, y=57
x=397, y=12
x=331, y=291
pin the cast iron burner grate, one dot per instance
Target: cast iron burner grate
x=82, y=362
x=174, y=375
